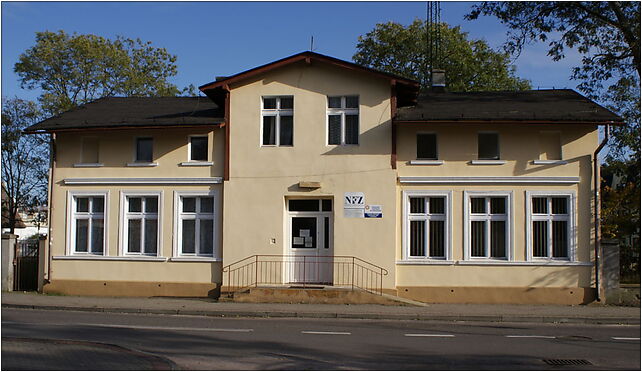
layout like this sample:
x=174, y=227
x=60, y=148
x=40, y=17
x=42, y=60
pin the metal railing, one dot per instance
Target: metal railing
x=304, y=271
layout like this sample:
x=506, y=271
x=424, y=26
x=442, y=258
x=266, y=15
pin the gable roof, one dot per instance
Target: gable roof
x=406, y=89
x=124, y=112
x=555, y=106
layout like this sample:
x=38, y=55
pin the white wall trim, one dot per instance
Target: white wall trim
x=88, y=165
x=111, y=258
x=194, y=163
x=509, y=220
x=195, y=259
x=425, y=262
x=69, y=244
x=426, y=162
x=488, y=180
x=549, y=162
x=122, y=243
x=487, y=162
x=143, y=181
x=405, y=250
x=572, y=254
x=522, y=263
x=142, y=164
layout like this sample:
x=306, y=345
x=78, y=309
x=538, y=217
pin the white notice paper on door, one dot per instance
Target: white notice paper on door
x=304, y=233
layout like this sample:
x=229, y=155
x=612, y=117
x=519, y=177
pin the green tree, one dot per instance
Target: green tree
x=471, y=65
x=73, y=69
x=24, y=160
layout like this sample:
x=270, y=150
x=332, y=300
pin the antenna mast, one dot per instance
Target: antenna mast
x=433, y=38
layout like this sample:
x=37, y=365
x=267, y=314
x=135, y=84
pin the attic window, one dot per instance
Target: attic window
x=278, y=121
x=488, y=146
x=427, y=146
x=144, y=149
x=343, y=120
x=198, y=148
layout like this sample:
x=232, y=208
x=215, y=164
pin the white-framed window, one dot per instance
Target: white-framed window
x=140, y=228
x=198, y=148
x=488, y=225
x=343, y=120
x=196, y=224
x=427, y=225
x=277, y=121
x=87, y=227
x=550, y=225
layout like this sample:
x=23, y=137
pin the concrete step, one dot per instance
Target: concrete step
x=314, y=295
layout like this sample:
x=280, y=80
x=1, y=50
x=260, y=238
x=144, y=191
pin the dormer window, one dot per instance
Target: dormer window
x=343, y=120
x=277, y=127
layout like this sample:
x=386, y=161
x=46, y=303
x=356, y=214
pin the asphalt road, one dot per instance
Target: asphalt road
x=129, y=341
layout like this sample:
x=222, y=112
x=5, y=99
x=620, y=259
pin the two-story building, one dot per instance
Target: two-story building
x=314, y=170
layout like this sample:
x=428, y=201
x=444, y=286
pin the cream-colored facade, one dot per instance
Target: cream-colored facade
x=252, y=214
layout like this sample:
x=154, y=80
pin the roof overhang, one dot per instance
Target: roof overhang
x=506, y=122
x=120, y=127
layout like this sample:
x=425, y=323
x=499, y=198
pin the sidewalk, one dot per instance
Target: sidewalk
x=592, y=314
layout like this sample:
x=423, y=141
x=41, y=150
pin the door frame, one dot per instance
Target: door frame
x=319, y=251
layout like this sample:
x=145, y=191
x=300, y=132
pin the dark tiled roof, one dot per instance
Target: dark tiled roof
x=562, y=105
x=115, y=112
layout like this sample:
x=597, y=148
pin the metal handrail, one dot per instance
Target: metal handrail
x=349, y=271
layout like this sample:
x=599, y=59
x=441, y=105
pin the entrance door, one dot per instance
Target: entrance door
x=310, y=241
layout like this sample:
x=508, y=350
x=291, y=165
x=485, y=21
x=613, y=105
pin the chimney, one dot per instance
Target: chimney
x=438, y=80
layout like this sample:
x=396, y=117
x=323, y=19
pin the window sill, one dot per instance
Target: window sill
x=487, y=162
x=196, y=259
x=549, y=162
x=142, y=164
x=424, y=262
x=88, y=165
x=196, y=163
x=426, y=162
x=111, y=258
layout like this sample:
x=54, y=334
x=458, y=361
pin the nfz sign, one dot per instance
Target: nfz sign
x=354, y=204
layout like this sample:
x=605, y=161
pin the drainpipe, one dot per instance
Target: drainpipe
x=596, y=207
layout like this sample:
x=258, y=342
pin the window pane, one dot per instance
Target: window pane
x=498, y=239
x=207, y=237
x=417, y=205
x=559, y=205
x=269, y=130
x=437, y=205
x=198, y=148
x=188, y=239
x=151, y=204
x=269, y=103
x=135, y=204
x=144, y=149
x=189, y=205
x=352, y=129
x=427, y=146
x=82, y=235
x=151, y=232
x=287, y=103
x=303, y=205
x=352, y=102
x=326, y=205
x=417, y=238
x=82, y=204
x=540, y=205
x=286, y=131
x=478, y=205
x=304, y=232
x=488, y=146
x=98, y=204
x=497, y=205
x=97, y=235
x=477, y=238
x=540, y=238
x=326, y=232
x=334, y=102
x=334, y=129
x=560, y=239
x=436, y=236
x=133, y=236
x=207, y=204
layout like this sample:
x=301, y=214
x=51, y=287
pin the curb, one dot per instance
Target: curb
x=320, y=315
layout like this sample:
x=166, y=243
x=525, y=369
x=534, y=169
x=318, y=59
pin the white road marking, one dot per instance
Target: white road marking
x=140, y=327
x=425, y=335
x=325, y=333
x=529, y=336
x=626, y=338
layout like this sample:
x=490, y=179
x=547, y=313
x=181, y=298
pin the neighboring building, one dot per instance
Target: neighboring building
x=474, y=197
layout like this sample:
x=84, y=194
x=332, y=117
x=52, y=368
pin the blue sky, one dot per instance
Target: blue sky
x=223, y=38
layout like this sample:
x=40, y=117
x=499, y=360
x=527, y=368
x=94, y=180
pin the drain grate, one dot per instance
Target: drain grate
x=567, y=362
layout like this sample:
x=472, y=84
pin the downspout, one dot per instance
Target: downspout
x=596, y=208
x=52, y=166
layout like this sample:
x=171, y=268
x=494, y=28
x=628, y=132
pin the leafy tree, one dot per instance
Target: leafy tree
x=74, y=69
x=24, y=160
x=471, y=65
